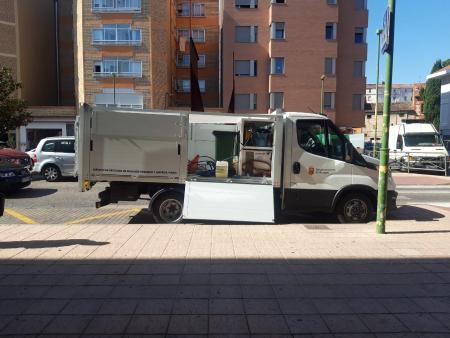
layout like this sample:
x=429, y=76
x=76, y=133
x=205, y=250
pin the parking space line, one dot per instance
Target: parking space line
x=117, y=213
x=19, y=216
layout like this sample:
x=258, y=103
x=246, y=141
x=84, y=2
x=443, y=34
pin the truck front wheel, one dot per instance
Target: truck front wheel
x=168, y=208
x=354, y=208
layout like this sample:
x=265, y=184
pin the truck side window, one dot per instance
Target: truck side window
x=399, y=142
x=336, y=146
x=311, y=136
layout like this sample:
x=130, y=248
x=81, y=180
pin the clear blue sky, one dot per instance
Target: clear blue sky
x=422, y=36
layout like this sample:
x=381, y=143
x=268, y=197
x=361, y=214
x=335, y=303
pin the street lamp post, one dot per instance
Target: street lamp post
x=383, y=170
x=322, y=94
x=114, y=88
x=379, y=31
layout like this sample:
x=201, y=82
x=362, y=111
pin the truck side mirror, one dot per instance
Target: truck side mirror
x=2, y=204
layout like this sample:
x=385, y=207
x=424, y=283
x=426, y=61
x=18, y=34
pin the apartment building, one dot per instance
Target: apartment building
x=281, y=50
x=36, y=43
x=135, y=53
x=202, y=17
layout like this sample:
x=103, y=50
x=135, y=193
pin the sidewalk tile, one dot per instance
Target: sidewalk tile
x=108, y=324
x=228, y=324
x=68, y=324
x=422, y=322
x=82, y=307
x=345, y=324
x=22, y=325
x=267, y=324
x=306, y=324
x=261, y=306
x=382, y=323
x=148, y=324
x=118, y=307
x=188, y=324
x=190, y=306
x=223, y=306
x=154, y=306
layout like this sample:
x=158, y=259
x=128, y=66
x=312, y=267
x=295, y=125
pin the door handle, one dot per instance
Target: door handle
x=296, y=168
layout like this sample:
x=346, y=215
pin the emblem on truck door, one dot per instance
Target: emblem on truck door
x=311, y=171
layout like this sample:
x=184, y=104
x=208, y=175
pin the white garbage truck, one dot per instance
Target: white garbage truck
x=226, y=167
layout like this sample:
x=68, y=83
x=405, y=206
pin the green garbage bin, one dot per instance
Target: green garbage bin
x=225, y=145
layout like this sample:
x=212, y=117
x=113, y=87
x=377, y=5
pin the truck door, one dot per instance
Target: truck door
x=318, y=167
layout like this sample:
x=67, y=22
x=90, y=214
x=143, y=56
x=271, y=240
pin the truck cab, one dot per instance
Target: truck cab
x=324, y=172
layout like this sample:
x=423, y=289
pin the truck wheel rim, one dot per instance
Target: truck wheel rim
x=50, y=173
x=356, y=210
x=171, y=211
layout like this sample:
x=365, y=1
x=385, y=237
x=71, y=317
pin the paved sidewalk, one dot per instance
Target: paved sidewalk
x=420, y=179
x=228, y=280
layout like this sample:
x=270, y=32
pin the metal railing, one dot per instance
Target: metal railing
x=116, y=36
x=419, y=162
x=120, y=6
x=108, y=68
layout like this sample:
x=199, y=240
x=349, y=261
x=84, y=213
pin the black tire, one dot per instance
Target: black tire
x=354, y=208
x=168, y=208
x=51, y=173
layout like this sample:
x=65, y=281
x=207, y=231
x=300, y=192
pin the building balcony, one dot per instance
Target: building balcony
x=118, y=68
x=116, y=6
x=117, y=36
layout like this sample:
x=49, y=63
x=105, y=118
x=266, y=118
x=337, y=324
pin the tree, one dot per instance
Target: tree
x=13, y=112
x=432, y=95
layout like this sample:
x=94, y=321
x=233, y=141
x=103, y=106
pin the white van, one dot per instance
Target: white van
x=417, y=144
x=226, y=167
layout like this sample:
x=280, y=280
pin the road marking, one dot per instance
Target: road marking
x=19, y=216
x=117, y=213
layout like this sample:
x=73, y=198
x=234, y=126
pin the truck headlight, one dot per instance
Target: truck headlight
x=7, y=174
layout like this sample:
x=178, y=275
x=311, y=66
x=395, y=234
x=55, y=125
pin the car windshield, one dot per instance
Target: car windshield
x=423, y=140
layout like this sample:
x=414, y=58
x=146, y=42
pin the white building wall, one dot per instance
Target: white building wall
x=445, y=106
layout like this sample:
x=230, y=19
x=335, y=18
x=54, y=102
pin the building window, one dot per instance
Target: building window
x=330, y=66
x=246, y=33
x=359, y=69
x=277, y=31
x=184, y=86
x=332, y=2
x=330, y=31
x=360, y=35
x=123, y=98
x=183, y=9
x=103, y=6
x=360, y=5
x=198, y=35
x=198, y=9
x=184, y=60
x=245, y=67
x=357, y=102
x=119, y=67
x=278, y=1
x=182, y=33
x=246, y=3
x=120, y=34
x=277, y=66
x=245, y=101
x=276, y=100
x=328, y=100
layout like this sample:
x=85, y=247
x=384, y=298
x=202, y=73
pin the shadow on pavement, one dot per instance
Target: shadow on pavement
x=49, y=243
x=271, y=297
x=414, y=213
x=142, y=217
x=31, y=193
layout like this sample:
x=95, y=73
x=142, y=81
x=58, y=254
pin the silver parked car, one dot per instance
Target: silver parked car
x=55, y=157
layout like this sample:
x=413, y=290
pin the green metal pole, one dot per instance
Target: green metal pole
x=322, y=79
x=379, y=31
x=384, y=153
x=114, y=88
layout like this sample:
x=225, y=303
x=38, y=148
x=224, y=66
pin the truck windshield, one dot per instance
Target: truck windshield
x=423, y=140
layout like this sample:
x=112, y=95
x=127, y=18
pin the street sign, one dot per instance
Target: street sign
x=386, y=36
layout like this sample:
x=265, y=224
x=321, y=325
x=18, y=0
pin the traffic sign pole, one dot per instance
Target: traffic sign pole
x=388, y=48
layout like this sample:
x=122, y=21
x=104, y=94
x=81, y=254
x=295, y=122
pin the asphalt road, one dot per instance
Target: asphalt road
x=61, y=202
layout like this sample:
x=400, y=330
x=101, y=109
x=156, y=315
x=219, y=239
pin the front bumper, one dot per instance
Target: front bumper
x=21, y=180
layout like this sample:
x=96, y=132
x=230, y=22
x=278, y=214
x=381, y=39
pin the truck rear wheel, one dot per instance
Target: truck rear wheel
x=168, y=208
x=354, y=208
